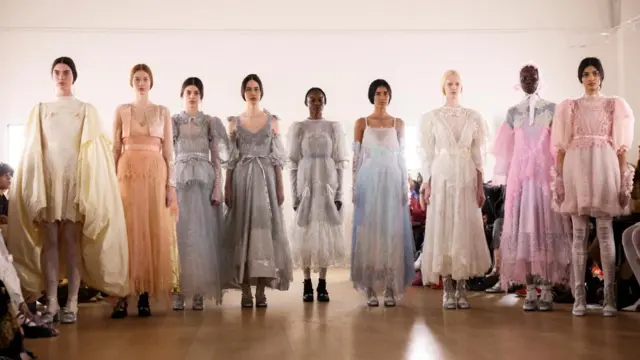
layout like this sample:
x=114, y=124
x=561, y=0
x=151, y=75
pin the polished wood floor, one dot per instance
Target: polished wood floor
x=345, y=329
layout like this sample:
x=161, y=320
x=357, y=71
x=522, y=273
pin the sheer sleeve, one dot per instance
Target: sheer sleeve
x=219, y=148
x=561, y=127
x=623, y=125
x=167, y=147
x=278, y=155
x=234, y=151
x=427, y=145
x=340, y=157
x=479, y=143
x=294, y=140
x=117, y=137
x=503, y=150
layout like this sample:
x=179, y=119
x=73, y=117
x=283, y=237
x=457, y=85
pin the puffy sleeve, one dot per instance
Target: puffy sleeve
x=234, y=151
x=340, y=156
x=294, y=140
x=623, y=125
x=277, y=154
x=561, y=127
x=117, y=136
x=479, y=142
x=219, y=140
x=427, y=144
x=503, y=150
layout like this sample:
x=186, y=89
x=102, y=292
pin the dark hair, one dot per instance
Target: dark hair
x=69, y=62
x=141, y=67
x=195, y=82
x=246, y=80
x=6, y=169
x=374, y=87
x=591, y=61
x=312, y=90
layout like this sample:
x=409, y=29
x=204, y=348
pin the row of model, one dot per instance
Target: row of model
x=141, y=215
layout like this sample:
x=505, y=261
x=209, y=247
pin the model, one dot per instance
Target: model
x=317, y=157
x=143, y=153
x=452, y=140
x=631, y=245
x=590, y=137
x=201, y=143
x=382, y=243
x=259, y=252
x=535, y=241
x=55, y=205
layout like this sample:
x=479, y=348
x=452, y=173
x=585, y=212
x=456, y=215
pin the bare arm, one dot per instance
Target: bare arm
x=117, y=137
x=167, y=147
x=231, y=128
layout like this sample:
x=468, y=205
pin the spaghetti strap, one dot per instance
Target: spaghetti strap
x=366, y=121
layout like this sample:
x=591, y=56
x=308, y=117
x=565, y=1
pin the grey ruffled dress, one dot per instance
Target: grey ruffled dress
x=201, y=147
x=256, y=240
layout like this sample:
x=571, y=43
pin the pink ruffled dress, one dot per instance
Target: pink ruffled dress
x=592, y=130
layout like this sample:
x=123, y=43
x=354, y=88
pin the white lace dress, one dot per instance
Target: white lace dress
x=452, y=141
x=317, y=159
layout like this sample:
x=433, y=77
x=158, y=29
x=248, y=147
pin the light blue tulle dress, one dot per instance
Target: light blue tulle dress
x=382, y=243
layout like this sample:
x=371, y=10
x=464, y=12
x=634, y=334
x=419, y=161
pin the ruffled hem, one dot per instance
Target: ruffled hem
x=319, y=245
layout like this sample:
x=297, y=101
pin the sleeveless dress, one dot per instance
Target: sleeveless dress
x=256, y=244
x=382, y=243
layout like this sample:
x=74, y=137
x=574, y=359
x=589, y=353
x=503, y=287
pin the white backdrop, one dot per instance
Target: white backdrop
x=341, y=47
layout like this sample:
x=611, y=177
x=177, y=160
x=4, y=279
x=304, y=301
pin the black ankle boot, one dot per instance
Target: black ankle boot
x=323, y=294
x=144, y=309
x=120, y=310
x=307, y=293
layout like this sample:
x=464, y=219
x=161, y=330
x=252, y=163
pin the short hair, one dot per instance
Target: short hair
x=375, y=84
x=324, y=96
x=445, y=76
x=69, y=62
x=141, y=67
x=6, y=169
x=591, y=61
x=195, y=82
x=246, y=80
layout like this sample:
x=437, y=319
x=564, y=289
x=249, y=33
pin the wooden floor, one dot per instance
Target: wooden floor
x=345, y=329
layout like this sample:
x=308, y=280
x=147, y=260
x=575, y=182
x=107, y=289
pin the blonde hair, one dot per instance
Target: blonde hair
x=444, y=79
x=144, y=68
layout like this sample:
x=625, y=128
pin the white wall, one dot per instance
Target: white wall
x=629, y=60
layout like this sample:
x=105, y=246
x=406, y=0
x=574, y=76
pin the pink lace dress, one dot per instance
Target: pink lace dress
x=592, y=130
x=534, y=239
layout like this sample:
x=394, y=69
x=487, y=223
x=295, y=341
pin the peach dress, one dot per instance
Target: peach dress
x=145, y=171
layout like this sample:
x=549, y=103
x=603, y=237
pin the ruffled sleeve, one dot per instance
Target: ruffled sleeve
x=479, y=143
x=234, y=152
x=294, y=140
x=427, y=144
x=340, y=156
x=219, y=139
x=503, y=150
x=561, y=127
x=623, y=125
x=278, y=154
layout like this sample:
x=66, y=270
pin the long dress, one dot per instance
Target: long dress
x=382, y=243
x=592, y=130
x=452, y=141
x=317, y=158
x=201, y=145
x=145, y=172
x=256, y=244
x=534, y=239
x=67, y=173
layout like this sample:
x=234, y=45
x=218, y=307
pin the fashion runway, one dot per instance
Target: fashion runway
x=345, y=329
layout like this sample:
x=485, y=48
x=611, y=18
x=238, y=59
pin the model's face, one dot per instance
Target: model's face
x=191, y=97
x=141, y=82
x=452, y=86
x=5, y=182
x=63, y=77
x=591, y=79
x=315, y=102
x=381, y=97
x=252, y=92
x=529, y=79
